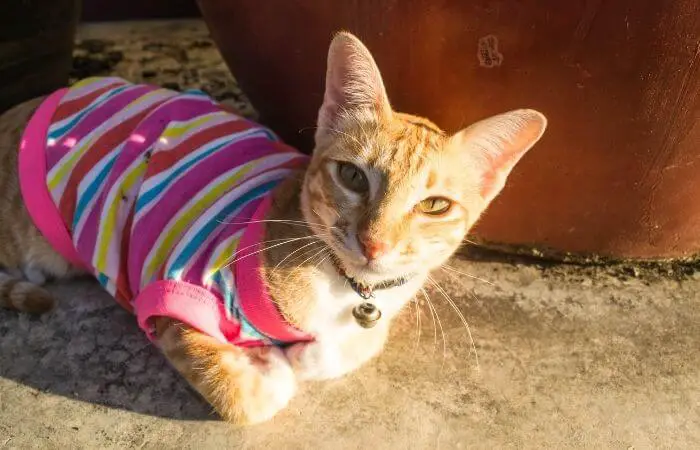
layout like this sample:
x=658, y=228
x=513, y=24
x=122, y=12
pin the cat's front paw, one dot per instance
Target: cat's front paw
x=316, y=361
x=275, y=386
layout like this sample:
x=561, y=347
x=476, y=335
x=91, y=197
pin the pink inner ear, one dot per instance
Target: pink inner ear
x=353, y=81
x=495, y=177
x=504, y=140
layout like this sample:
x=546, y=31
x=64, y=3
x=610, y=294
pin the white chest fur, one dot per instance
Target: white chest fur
x=341, y=345
x=335, y=299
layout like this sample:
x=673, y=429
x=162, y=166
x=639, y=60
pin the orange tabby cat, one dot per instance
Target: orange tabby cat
x=386, y=196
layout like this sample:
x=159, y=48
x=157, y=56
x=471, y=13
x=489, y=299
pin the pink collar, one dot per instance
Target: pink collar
x=254, y=299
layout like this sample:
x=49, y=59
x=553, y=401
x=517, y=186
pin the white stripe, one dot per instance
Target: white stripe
x=155, y=180
x=209, y=269
x=125, y=114
x=217, y=118
x=114, y=244
x=75, y=93
x=89, y=177
x=207, y=216
x=101, y=98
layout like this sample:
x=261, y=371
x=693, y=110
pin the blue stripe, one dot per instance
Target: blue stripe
x=198, y=240
x=234, y=309
x=152, y=193
x=198, y=92
x=226, y=292
x=91, y=191
x=56, y=134
x=102, y=278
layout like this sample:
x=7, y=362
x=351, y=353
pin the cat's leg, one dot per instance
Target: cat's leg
x=244, y=385
x=25, y=256
x=22, y=280
x=21, y=289
x=328, y=358
x=24, y=296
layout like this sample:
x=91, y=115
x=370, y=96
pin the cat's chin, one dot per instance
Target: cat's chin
x=369, y=273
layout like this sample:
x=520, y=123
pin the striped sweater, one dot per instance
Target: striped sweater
x=160, y=195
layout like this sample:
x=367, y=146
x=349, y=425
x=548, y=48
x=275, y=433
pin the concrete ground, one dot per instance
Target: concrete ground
x=568, y=357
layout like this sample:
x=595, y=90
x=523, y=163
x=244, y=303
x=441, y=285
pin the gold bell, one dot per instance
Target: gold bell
x=366, y=314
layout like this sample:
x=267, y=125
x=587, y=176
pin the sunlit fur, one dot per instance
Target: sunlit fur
x=406, y=159
x=313, y=220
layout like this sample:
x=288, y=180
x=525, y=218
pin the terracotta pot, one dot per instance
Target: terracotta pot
x=36, y=44
x=617, y=171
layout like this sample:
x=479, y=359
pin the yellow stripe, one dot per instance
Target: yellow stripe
x=86, y=82
x=108, y=222
x=59, y=172
x=186, y=218
x=178, y=130
x=222, y=257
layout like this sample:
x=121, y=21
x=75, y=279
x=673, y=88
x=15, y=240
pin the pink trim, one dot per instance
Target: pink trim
x=32, y=180
x=203, y=310
x=188, y=303
x=254, y=300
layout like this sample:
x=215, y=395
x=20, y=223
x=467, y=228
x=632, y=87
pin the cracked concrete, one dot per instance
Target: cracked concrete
x=568, y=357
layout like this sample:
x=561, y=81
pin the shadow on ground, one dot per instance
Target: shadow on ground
x=90, y=349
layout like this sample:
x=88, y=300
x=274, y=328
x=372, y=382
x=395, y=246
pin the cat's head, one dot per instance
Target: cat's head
x=391, y=193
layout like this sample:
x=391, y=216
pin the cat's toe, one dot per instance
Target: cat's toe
x=315, y=361
x=275, y=387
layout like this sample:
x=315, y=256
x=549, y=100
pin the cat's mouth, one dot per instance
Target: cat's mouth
x=357, y=266
x=364, y=286
x=363, y=272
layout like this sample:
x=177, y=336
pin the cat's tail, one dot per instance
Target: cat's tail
x=21, y=295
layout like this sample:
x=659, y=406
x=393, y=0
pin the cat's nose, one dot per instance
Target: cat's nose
x=373, y=248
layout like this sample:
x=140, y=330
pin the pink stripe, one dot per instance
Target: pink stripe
x=151, y=225
x=102, y=113
x=224, y=231
x=188, y=303
x=32, y=179
x=254, y=300
x=151, y=127
x=77, y=92
x=85, y=244
x=148, y=131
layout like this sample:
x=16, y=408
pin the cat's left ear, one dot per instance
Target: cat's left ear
x=354, y=86
x=497, y=144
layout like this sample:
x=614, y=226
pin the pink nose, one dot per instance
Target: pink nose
x=373, y=249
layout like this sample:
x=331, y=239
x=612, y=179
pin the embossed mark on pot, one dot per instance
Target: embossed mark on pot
x=487, y=52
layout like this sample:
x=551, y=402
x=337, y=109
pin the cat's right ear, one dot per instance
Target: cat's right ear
x=497, y=144
x=354, y=86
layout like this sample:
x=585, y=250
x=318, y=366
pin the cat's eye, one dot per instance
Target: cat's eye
x=434, y=206
x=352, y=177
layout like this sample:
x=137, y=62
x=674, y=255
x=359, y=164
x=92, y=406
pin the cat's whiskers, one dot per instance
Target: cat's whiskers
x=328, y=255
x=293, y=252
x=300, y=307
x=286, y=241
x=435, y=315
x=323, y=249
x=290, y=273
x=257, y=244
x=459, y=314
x=452, y=269
x=419, y=325
x=432, y=316
x=468, y=241
x=315, y=255
x=284, y=221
